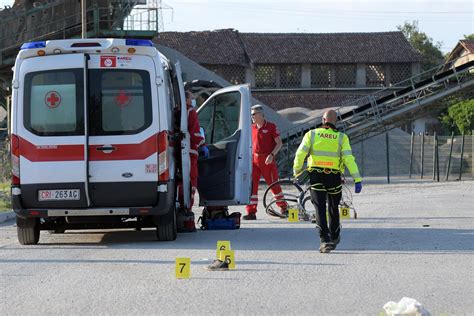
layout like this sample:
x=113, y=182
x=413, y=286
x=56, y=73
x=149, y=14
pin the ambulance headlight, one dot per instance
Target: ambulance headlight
x=33, y=45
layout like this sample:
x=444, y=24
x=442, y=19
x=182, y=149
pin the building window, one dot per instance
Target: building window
x=233, y=73
x=265, y=76
x=290, y=76
x=321, y=76
x=375, y=75
x=399, y=72
x=346, y=75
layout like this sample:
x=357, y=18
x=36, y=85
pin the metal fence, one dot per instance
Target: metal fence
x=416, y=156
x=400, y=155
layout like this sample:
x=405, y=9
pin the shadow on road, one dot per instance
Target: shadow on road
x=302, y=238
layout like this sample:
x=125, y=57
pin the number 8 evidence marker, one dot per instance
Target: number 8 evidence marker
x=222, y=245
x=183, y=268
x=293, y=215
x=345, y=213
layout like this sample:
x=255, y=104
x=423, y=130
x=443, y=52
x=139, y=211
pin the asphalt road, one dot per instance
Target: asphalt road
x=410, y=239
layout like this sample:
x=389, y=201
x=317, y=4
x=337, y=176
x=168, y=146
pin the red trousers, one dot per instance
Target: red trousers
x=194, y=179
x=270, y=174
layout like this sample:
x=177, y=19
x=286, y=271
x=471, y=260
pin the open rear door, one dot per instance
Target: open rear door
x=185, y=142
x=225, y=176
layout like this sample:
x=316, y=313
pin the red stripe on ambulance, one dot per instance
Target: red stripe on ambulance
x=43, y=153
x=38, y=153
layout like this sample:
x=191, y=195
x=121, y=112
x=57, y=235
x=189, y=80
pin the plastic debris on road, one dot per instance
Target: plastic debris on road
x=406, y=307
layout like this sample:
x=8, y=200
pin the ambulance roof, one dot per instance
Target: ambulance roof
x=89, y=45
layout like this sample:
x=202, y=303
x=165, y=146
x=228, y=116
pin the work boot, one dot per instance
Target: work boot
x=250, y=217
x=218, y=265
x=325, y=245
x=334, y=242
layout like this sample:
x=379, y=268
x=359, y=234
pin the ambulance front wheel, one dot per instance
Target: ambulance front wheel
x=27, y=230
x=166, y=229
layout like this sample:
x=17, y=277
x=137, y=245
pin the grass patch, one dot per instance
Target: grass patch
x=5, y=202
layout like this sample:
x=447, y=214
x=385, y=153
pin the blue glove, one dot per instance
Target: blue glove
x=205, y=151
x=358, y=187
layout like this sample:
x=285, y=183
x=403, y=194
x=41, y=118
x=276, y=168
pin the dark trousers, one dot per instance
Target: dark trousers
x=326, y=186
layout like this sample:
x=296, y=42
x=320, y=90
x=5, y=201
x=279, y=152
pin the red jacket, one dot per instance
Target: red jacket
x=193, y=128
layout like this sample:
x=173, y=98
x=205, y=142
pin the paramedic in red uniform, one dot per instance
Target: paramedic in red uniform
x=266, y=143
x=196, y=141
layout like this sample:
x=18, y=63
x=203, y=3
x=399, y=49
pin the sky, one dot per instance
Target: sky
x=445, y=21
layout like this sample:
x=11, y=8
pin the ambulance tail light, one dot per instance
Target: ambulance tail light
x=163, y=163
x=86, y=44
x=15, y=148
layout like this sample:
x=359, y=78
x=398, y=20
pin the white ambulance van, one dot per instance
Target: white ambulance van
x=97, y=143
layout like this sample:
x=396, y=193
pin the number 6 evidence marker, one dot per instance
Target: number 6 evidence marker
x=222, y=245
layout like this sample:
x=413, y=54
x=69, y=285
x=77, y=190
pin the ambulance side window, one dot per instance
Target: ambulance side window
x=53, y=102
x=220, y=116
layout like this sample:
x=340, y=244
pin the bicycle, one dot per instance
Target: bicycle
x=300, y=199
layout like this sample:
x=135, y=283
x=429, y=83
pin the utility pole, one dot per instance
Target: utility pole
x=84, y=18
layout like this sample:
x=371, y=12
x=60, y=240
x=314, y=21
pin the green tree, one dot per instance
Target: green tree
x=469, y=37
x=430, y=51
x=459, y=117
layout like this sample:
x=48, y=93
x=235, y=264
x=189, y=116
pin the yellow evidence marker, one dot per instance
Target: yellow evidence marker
x=183, y=268
x=228, y=255
x=222, y=245
x=345, y=213
x=293, y=215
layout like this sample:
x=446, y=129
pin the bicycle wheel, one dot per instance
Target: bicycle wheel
x=290, y=195
x=309, y=209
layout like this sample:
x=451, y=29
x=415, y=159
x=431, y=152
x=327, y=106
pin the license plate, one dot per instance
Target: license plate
x=59, y=195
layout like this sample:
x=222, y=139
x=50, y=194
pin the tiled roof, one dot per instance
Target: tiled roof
x=221, y=47
x=232, y=47
x=458, y=50
x=330, y=48
x=468, y=45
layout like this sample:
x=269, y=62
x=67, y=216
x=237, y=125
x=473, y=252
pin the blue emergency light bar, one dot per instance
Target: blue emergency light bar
x=138, y=42
x=32, y=45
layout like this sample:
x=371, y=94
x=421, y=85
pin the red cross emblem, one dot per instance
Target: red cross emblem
x=52, y=99
x=122, y=100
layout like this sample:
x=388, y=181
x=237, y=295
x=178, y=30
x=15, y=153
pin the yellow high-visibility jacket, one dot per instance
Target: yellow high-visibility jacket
x=326, y=148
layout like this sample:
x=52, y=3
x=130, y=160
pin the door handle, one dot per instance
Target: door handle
x=107, y=148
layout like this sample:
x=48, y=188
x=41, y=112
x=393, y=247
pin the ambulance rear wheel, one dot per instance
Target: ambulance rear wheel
x=27, y=230
x=166, y=229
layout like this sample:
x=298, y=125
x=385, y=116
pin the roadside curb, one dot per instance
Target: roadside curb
x=6, y=216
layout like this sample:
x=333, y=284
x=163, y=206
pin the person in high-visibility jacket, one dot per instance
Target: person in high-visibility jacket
x=329, y=153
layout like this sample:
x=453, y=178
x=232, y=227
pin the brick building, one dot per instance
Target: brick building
x=299, y=69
